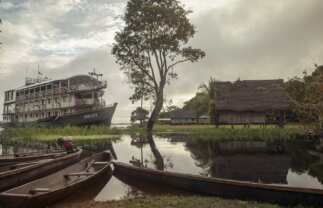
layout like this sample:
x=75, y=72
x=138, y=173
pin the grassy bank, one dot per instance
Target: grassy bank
x=172, y=202
x=255, y=132
x=82, y=133
x=194, y=131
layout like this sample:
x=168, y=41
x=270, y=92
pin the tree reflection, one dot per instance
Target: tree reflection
x=160, y=162
x=204, y=154
x=139, y=141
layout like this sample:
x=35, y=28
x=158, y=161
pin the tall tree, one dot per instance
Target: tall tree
x=151, y=44
x=209, y=89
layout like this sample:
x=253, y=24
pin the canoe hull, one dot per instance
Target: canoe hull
x=23, y=175
x=12, y=200
x=225, y=188
x=4, y=161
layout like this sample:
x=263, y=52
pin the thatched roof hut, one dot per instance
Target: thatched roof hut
x=246, y=101
x=181, y=116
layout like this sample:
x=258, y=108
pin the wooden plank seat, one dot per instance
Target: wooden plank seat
x=77, y=174
x=36, y=190
x=100, y=163
x=89, y=166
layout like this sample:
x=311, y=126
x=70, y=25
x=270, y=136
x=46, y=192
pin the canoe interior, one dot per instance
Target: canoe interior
x=16, y=177
x=57, y=180
x=221, y=187
x=55, y=187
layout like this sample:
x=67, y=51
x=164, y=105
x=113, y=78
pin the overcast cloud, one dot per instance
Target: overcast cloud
x=246, y=39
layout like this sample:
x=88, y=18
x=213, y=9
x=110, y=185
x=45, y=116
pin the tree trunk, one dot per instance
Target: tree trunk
x=158, y=106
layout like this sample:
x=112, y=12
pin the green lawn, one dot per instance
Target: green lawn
x=172, y=202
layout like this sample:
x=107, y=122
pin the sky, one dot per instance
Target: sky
x=246, y=39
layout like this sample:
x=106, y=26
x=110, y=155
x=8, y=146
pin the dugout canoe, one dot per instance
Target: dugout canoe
x=54, y=187
x=34, y=170
x=277, y=194
x=29, y=156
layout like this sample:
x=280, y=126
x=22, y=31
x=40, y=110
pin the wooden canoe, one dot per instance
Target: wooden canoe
x=276, y=194
x=54, y=187
x=33, y=171
x=26, y=157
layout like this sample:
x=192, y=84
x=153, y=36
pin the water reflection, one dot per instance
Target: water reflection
x=296, y=163
x=256, y=161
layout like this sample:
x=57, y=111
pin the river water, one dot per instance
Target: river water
x=297, y=163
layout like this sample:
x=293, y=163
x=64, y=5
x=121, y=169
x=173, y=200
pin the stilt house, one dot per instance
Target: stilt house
x=181, y=116
x=251, y=102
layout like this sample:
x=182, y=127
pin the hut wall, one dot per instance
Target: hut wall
x=204, y=120
x=235, y=117
x=183, y=120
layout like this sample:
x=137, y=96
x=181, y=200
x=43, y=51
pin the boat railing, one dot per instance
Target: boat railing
x=49, y=92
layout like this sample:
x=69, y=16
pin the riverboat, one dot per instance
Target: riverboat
x=76, y=100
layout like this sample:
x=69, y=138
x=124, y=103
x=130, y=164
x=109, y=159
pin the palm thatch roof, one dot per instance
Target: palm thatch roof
x=251, y=95
x=180, y=113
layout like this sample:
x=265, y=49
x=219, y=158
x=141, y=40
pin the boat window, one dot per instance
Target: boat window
x=56, y=85
x=64, y=84
x=31, y=90
x=49, y=87
x=26, y=92
x=43, y=88
x=37, y=89
x=78, y=96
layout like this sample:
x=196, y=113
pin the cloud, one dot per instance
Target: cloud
x=249, y=39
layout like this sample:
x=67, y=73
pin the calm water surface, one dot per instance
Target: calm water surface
x=291, y=163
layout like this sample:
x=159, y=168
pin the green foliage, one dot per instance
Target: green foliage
x=306, y=96
x=151, y=44
x=198, y=104
x=139, y=114
x=203, y=102
x=164, y=115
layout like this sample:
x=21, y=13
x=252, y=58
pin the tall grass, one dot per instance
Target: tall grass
x=54, y=132
x=194, y=131
x=255, y=132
